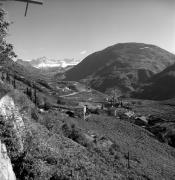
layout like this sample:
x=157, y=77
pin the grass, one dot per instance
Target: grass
x=149, y=156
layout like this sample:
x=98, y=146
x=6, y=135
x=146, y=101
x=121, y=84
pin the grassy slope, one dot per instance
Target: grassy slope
x=148, y=156
x=47, y=154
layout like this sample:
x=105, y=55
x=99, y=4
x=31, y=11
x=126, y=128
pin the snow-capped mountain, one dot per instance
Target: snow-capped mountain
x=44, y=62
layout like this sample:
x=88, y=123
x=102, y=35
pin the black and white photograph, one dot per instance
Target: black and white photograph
x=87, y=89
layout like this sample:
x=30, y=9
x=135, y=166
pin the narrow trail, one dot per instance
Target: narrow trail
x=67, y=95
x=74, y=93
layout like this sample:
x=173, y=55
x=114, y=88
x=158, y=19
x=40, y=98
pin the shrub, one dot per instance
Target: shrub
x=71, y=132
x=49, y=120
x=47, y=105
x=139, y=103
x=94, y=111
x=59, y=177
x=34, y=114
x=60, y=101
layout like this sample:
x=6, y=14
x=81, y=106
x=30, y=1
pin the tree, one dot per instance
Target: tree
x=2, y=76
x=14, y=82
x=47, y=104
x=35, y=97
x=6, y=49
x=7, y=77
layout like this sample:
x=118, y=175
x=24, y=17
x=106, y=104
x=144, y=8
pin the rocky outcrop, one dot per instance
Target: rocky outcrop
x=9, y=112
x=6, y=170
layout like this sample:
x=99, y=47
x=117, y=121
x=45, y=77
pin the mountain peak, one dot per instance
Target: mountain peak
x=122, y=66
x=44, y=62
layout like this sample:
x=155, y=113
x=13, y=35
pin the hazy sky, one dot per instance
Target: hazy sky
x=75, y=28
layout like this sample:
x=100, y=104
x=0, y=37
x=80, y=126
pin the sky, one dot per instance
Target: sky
x=76, y=28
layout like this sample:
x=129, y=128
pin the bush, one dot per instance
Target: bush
x=60, y=101
x=50, y=120
x=71, y=132
x=59, y=177
x=47, y=105
x=139, y=103
x=94, y=111
x=34, y=114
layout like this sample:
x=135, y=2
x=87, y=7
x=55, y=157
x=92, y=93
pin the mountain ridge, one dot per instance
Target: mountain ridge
x=159, y=87
x=44, y=62
x=122, y=66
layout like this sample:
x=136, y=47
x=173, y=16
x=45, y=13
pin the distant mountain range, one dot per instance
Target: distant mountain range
x=44, y=63
x=122, y=67
x=48, y=67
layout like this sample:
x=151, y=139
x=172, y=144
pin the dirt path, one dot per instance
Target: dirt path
x=74, y=93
